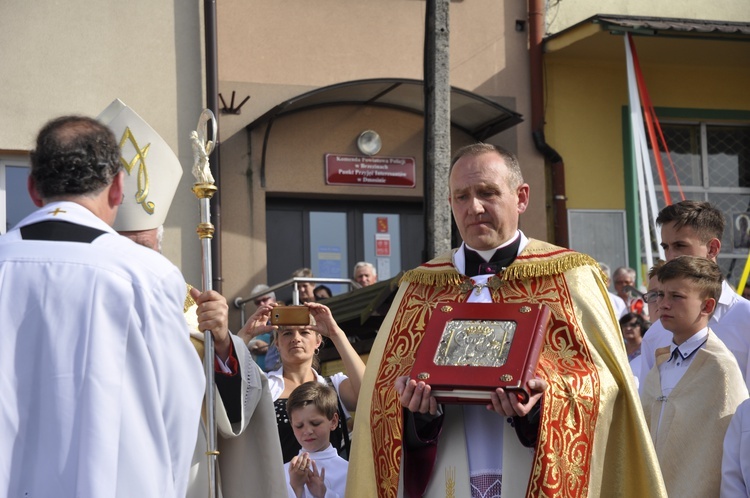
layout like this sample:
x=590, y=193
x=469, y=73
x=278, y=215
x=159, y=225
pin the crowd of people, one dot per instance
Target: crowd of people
x=635, y=394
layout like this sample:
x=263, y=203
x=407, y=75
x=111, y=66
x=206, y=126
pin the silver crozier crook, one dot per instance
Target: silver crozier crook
x=204, y=189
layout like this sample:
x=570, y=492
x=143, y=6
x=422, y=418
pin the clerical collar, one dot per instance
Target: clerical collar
x=689, y=347
x=493, y=260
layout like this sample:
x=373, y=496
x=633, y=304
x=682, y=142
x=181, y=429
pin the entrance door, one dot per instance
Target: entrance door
x=331, y=237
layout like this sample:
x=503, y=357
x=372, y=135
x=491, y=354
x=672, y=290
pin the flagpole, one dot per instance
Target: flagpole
x=204, y=189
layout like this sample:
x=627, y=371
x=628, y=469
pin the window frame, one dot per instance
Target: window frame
x=13, y=160
x=684, y=116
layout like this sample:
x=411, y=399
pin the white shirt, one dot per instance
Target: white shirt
x=730, y=322
x=90, y=407
x=681, y=357
x=635, y=367
x=619, y=305
x=735, y=462
x=335, y=478
x=672, y=370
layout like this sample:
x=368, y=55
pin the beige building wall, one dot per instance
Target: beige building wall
x=562, y=15
x=273, y=51
x=75, y=57
x=277, y=51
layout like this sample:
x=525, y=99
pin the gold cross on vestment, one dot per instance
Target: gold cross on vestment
x=57, y=211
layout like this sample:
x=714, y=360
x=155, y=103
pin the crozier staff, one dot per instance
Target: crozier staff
x=243, y=408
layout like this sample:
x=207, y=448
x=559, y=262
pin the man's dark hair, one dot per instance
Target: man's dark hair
x=74, y=155
x=707, y=221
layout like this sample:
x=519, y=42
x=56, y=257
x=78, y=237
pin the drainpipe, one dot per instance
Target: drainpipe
x=212, y=102
x=557, y=166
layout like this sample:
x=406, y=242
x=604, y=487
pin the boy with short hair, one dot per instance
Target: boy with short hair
x=689, y=396
x=695, y=228
x=318, y=471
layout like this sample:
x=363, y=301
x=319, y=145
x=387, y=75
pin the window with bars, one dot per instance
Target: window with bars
x=712, y=163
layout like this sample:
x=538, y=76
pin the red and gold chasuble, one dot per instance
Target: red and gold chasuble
x=571, y=407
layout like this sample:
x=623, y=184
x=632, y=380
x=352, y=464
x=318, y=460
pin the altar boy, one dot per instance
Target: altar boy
x=318, y=471
x=691, y=393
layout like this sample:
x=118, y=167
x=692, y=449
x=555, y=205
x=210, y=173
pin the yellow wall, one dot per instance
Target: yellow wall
x=585, y=99
x=583, y=125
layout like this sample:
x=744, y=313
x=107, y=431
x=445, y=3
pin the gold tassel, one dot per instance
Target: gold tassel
x=532, y=269
x=441, y=278
x=537, y=264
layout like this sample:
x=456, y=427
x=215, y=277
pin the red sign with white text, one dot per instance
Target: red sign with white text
x=366, y=171
x=382, y=244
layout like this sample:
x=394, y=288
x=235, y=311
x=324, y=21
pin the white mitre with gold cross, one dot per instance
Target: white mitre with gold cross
x=152, y=170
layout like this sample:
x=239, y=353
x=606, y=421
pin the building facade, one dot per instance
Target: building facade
x=320, y=74
x=695, y=62
x=76, y=57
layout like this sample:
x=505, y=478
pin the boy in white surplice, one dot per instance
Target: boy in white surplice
x=689, y=396
x=318, y=471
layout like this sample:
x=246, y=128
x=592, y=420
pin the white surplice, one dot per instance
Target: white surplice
x=336, y=470
x=735, y=462
x=100, y=387
x=729, y=323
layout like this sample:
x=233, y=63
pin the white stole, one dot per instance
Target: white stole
x=450, y=476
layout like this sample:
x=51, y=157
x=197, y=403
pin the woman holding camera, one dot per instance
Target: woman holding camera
x=298, y=347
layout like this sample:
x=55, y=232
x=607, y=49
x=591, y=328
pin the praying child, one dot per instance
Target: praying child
x=691, y=393
x=318, y=471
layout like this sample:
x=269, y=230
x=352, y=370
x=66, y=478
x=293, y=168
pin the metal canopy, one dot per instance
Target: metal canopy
x=664, y=25
x=476, y=115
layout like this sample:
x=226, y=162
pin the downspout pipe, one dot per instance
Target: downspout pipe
x=555, y=160
x=212, y=102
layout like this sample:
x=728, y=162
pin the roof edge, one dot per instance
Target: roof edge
x=649, y=25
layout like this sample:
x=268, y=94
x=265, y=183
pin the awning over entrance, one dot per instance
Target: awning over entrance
x=475, y=115
x=360, y=313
